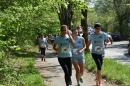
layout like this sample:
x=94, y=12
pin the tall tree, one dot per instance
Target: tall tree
x=122, y=12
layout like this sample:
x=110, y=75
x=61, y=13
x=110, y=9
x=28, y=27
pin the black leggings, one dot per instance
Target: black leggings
x=66, y=65
x=43, y=50
x=98, y=58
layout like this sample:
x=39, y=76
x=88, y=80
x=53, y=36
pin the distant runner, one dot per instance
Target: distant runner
x=52, y=38
x=42, y=46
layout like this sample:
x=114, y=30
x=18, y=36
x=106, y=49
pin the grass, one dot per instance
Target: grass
x=19, y=70
x=112, y=70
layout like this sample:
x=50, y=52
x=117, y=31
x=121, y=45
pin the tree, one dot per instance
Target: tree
x=119, y=12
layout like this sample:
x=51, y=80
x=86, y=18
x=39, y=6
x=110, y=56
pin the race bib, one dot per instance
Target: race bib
x=42, y=45
x=65, y=49
x=75, y=51
x=98, y=48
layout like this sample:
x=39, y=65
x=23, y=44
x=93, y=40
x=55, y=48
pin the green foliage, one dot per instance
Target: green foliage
x=22, y=21
x=19, y=70
x=113, y=15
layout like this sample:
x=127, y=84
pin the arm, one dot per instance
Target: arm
x=84, y=46
x=107, y=42
x=88, y=45
x=71, y=39
x=55, y=47
x=47, y=44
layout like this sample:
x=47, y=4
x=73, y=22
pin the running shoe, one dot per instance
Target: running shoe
x=81, y=79
x=70, y=82
x=44, y=60
x=78, y=85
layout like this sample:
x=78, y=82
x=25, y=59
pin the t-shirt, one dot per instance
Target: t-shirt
x=78, y=45
x=98, y=42
x=52, y=38
x=64, y=46
x=43, y=42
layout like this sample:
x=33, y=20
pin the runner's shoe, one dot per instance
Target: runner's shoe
x=81, y=79
x=70, y=82
x=78, y=85
x=42, y=59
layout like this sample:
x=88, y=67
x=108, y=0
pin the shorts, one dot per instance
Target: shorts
x=52, y=41
x=98, y=58
x=43, y=51
x=78, y=60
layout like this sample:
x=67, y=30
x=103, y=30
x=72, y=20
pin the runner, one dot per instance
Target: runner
x=52, y=38
x=42, y=46
x=78, y=55
x=98, y=49
x=62, y=45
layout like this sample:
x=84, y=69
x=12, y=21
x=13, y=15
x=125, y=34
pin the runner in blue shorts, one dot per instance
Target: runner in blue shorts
x=78, y=55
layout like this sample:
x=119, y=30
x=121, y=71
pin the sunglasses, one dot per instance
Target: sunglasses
x=98, y=28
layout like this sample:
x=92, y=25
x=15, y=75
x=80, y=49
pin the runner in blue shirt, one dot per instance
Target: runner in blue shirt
x=98, y=49
x=78, y=55
x=42, y=46
x=62, y=45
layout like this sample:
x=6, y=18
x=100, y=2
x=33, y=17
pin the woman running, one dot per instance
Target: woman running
x=62, y=45
x=42, y=46
x=78, y=55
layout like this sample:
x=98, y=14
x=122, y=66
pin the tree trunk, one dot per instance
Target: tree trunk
x=85, y=27
x=65, y=15
x=120, y=26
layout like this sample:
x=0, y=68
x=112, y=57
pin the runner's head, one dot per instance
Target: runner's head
x=64, y=30
x=97, y=28
x=74, y=32
x=41, y=36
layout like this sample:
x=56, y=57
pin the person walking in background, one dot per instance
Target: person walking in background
x=62, y=45
x=78, y=55
x=42, y=46
x=52, y=38
x=98, y=49
x=80, y=33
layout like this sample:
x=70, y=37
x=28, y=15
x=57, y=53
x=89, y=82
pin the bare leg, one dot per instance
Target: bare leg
x=76, y=66
x=98, y=78
x=43, y=57
x=81, y=69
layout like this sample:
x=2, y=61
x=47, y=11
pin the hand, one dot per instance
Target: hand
x=69, y=32
x=105, y=43
x=79, y=52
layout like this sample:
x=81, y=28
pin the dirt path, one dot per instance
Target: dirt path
x=52, y=73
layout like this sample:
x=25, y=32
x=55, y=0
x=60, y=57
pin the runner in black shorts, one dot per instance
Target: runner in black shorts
x=43, y=51
x=42, y=46
x=52, y=38
x=98, y=49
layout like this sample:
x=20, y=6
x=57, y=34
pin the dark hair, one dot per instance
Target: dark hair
x=97, y=25
x=73, y=29
x=62, y=26
x=41, y=35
